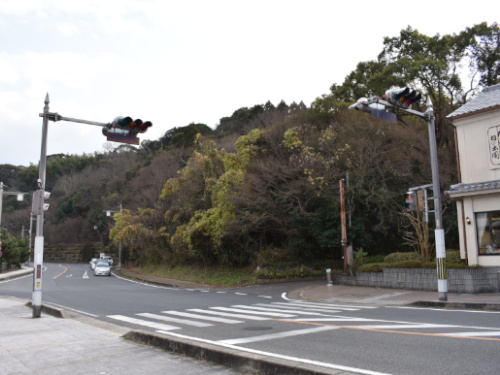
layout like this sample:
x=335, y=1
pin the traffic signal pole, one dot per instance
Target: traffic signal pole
x=128, y=135
x=36, y=302
x=428, y=116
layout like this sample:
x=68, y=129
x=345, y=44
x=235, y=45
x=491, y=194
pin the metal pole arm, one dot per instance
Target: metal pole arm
x=53, y=116
x=376, y=99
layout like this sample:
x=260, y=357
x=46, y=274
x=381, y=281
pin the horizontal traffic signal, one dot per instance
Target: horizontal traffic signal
x=362, y=105
x=402, y=97
x=130, y=125
x=125, y=129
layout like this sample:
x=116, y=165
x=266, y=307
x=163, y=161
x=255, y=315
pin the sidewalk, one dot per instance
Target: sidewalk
x=48, y=345
x=369, y=295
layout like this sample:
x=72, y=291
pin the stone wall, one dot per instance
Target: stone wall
x=473, y=280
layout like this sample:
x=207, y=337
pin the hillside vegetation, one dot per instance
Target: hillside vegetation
x=262, y=189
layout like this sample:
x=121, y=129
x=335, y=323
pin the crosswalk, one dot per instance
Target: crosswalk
x=324, y=316
x=235, y=314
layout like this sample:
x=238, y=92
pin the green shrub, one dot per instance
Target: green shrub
x=453, y=256
x=378, y=267
x=289, y=272
x=372, y=267
x=448, y=265
x=374, y=259
x=405, y=264
x=402, y=257
x=273, y=255
x=429, y=265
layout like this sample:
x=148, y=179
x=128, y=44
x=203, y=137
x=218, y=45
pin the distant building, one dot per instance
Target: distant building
x=477, y=130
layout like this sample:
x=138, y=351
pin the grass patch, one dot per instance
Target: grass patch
x=216, y=276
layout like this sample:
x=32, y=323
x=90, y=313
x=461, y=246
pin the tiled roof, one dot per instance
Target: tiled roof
x=488, y=98
x=462, y=189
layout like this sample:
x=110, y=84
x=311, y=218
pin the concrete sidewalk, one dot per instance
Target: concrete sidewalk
x=318, y=291
x=49, y=345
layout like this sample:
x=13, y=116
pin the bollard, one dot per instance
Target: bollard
x=329, y=277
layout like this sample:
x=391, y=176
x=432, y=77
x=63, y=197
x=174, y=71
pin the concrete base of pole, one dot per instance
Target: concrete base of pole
x=443, y=290
x=37, y=311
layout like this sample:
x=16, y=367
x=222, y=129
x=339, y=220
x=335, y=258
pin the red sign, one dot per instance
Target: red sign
x=129, y=139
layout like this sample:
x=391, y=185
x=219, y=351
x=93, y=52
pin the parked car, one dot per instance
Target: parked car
x=93, y=262
x=102, y=268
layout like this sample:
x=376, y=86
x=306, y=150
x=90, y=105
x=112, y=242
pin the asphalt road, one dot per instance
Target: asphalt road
x=369, y=339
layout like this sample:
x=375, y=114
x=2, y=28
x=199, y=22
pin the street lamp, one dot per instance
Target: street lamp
x=401, y=99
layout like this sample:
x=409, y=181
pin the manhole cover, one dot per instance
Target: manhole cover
x=257, y=328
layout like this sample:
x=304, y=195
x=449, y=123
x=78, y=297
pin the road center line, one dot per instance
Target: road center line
x=62, y=273
x=361, y=328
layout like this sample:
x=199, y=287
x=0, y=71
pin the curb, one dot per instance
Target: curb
x=457, y=305
x=52, y=311
x=231, y=358
x=13, y=274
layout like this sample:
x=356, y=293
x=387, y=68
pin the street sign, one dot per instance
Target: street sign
x=386, y=116
x=122, y=138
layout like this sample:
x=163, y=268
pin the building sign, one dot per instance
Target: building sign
x=494, y=144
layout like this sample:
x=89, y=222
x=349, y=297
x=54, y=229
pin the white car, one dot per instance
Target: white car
x=102, y=268
x=93, y=262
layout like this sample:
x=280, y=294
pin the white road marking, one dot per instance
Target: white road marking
x=220, y=313
x=175, y=320
x=274, y=336
x=475, y=334
x=144, y=323
x=258, y=307
x=279, y=356
x=70, y=309
x=85, y=276
x=278, y=315
x=314, y=307
x=202, y=317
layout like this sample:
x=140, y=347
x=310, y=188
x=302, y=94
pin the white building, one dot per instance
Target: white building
x=477, y=130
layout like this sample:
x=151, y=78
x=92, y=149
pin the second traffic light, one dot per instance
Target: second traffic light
x=38, y=205
x=402, y=97
x=411, y=201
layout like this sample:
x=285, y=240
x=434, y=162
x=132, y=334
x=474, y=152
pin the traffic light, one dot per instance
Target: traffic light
x=362, y=105
x=39, y=206
x=130, y=125
x=125, y=129
x=402, y=97
x=411, y=201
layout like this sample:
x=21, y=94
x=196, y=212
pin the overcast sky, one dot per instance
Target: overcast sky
x=183, y=61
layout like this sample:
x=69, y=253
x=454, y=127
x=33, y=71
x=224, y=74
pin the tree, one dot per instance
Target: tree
x=15, y=251
x=482, y=47
x=135, y=232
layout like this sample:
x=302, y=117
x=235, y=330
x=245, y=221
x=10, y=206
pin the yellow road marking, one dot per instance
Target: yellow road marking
x=62, y=273
x=360, y=328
